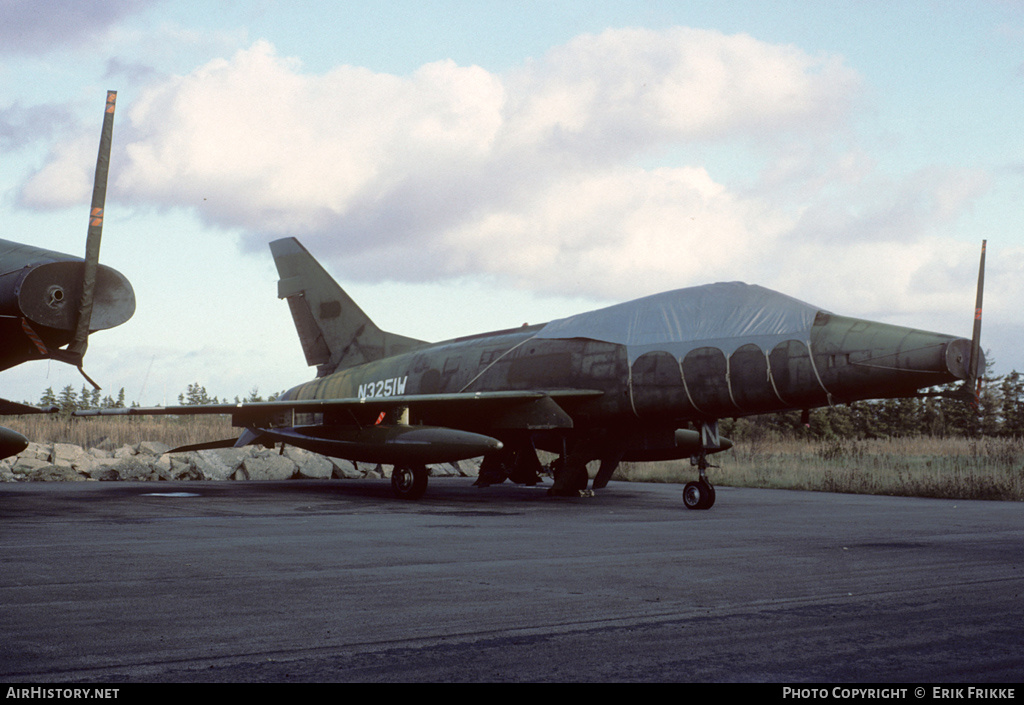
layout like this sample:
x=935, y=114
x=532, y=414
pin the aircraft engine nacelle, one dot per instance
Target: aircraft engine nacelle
x=40, y=291
x=47, y=295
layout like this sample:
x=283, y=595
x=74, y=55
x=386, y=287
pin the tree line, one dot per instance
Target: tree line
x=70, y=399
x=939, y=412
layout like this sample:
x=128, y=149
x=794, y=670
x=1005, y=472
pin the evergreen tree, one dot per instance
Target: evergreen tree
x=1011, y=405
x=196, y=395
x=48, y=398
x=68, y=400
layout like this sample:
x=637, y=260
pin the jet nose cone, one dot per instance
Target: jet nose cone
x=958, y=359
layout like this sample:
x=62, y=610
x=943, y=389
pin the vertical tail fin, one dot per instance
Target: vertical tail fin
x=334, y=331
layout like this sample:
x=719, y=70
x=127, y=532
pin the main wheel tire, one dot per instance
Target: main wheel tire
x=409, y=482
x=698, y=495
x=570, y=478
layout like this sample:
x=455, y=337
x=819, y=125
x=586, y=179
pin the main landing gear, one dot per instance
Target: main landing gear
x=409, y=481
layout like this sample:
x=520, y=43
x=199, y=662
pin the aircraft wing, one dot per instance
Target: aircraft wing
x=445, y=427
x=13, y=408
x=524, y=409
x=12, y=442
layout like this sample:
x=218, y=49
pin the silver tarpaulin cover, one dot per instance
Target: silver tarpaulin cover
x=726, y=315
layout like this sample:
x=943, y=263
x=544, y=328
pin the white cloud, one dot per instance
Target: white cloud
x=67, y=177
x=533, y=177
x=632, y=89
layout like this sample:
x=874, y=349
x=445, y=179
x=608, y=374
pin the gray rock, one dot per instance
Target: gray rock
x=183, y=469
x=218, y=464
x=37, y=451
x=55, y=473
x=26, y=465
x=444, y=470
x=133, y=468
x=72, y=456
x=152, y=448
x=124, y=451
x=346, y=470
x=311, y=466
x=103, y=469
x=269, y=467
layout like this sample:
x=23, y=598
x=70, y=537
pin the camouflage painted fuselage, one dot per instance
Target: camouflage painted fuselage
x=650, y=389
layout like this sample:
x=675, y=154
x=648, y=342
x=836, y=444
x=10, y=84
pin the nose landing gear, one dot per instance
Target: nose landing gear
x=699, y=494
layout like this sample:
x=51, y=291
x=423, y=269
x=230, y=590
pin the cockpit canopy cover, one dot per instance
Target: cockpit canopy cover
x=726, y=315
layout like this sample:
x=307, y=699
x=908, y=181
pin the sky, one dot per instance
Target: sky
x=461, y=166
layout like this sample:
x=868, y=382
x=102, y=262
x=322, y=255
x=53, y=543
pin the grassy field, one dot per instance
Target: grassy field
x=955, y=468
x=119, y=431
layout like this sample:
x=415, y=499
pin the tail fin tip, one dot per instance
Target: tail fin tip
x=335, y=333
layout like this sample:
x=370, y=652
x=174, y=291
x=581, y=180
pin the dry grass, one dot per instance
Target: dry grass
x=956, y=468
x=119, y=431
x=953, y=468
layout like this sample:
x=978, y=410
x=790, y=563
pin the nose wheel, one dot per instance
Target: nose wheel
x=699, y=495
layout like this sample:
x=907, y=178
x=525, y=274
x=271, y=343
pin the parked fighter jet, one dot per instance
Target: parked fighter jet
x=620, y=383
x=50, y=299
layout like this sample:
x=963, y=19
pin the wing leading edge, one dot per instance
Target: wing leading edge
x=255, y=412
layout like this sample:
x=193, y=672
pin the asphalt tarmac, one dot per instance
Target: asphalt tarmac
x=336, y=581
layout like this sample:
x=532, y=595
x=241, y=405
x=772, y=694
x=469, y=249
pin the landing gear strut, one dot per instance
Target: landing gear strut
x=699, y=494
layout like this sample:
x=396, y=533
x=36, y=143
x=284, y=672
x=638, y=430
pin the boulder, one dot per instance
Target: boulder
x=345, y=470
x=219, y=463
x=149, y=460
x=311, y=466
x=25, y=465
x=55, y=473
x=72, y=456
x=124, y=451
x=103, y=469
x=133, y=468
x=152, y=448
x=37, y=451
x=269, y=467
